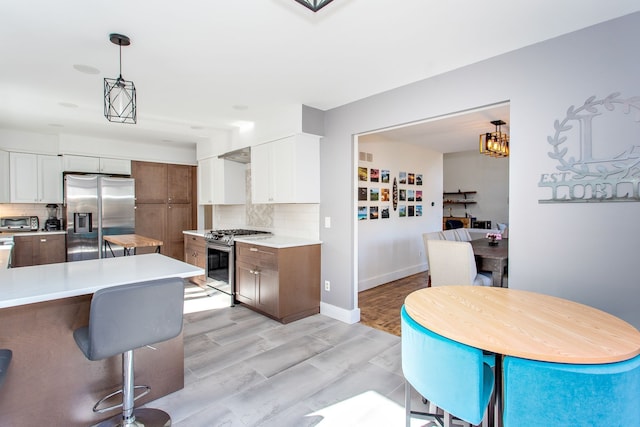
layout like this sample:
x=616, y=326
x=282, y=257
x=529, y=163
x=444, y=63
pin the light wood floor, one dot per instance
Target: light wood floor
x=380, y=306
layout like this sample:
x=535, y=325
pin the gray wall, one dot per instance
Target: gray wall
x=584, y=252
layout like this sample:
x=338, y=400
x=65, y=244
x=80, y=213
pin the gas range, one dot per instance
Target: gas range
x=227, y=237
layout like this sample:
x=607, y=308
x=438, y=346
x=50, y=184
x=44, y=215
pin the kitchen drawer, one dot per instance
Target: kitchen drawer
x=257, y=255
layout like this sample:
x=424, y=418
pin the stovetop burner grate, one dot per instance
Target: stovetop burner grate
x=227, y=235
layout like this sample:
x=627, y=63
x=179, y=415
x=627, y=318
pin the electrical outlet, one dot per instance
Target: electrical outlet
x=327, y=285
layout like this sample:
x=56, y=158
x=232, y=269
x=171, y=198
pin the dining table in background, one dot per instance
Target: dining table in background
x=523, y=324
x=492, y=258
x=130, y=241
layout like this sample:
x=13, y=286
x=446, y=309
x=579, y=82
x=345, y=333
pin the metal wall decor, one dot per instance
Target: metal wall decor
x=613, y=175
x=495, y=144
x=314, y=5
x=120, y=94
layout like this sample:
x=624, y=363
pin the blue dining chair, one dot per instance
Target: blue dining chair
x=5, y=360
x=559, y=395
x=451, y=375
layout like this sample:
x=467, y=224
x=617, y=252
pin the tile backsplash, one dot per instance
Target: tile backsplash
x=26, y=209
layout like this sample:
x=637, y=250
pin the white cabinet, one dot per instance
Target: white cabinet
x=35, y=178
x=5, y=195
x=286, y=170
x=96, y=165
x=221, y=182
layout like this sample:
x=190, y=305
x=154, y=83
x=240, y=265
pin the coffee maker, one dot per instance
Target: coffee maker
x=52, y=223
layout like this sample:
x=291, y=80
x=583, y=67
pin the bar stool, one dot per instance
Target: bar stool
x=5, y=359
x=121, y=319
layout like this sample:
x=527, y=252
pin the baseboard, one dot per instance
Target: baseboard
x=372, y=282
x=339, y=313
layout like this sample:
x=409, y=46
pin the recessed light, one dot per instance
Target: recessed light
x=86, y=69
x=68, y=104
x=195, y=127
x=240, y=107
x=56, y=125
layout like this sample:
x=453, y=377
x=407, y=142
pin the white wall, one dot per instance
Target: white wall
x=489, y=176
x=392, y=248
x=585, y=252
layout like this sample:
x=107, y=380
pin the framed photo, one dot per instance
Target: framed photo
x=362, y=213
x=403, y=195
x=418, y=210
x=374, y=194
x=402, y=211
x=411, y=210
x=410, y=196
x=373, y=212
x=384, y=194
x=375, y=175
x=384, y=212
x=402, y=177
x=418, y=195
x=363, y=174
x=384, y=176
x=411, y=179
x=362, y=194
x=418, y=179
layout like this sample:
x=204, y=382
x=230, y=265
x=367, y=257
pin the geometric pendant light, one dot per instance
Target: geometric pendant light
x=119, y=94
x=314, y=5
x=495, y=144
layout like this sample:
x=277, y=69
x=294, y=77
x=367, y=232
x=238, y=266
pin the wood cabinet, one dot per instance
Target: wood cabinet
x=195, y=253
x=35, y=178
x=283, y=284
x=286, y=170
x=87, y=164
x=221, y=182
x=38, y=249
x=164, y=206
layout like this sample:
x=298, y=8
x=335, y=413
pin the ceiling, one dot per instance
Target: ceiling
x=204, y=65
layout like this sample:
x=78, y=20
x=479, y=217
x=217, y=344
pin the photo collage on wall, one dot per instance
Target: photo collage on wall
x=409, y=197
x=375, y=189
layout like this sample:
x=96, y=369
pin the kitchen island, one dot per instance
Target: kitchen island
x=50, y=382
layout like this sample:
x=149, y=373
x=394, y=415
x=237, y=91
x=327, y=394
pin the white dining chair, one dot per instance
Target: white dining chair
x=435, y=235
x=453, y=263
x=451, y=235
x=463, y=234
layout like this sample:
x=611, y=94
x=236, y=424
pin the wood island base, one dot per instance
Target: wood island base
x=50, y=382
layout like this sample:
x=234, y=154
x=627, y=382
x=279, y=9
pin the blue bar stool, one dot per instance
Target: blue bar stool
x=121, y=319
x=453, y=376
x=559, y=394
x=5, y=360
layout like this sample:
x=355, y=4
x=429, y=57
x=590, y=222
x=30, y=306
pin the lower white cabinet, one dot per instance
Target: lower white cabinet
x=286, y=170
x=221, y=182
x=35, y=178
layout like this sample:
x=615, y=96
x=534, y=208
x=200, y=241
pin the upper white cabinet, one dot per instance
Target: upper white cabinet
x=5, y=194
x=35, y=178
x=96, y=165
x=286, y=170
x=221, y=182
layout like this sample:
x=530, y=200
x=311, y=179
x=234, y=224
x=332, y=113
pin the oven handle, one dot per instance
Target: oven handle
x=221, y=248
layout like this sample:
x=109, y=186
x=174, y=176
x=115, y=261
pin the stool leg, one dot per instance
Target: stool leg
x=127, y=388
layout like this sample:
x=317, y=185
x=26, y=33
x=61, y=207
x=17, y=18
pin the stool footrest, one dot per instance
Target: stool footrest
x=146, y=391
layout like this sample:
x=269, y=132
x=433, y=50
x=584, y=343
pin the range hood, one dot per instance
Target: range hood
x=242, y=155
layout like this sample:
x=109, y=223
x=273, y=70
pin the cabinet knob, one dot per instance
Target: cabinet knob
x=43, y=240
x=253, y=249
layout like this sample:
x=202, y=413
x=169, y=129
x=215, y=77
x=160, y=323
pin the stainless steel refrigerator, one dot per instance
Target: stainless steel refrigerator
x=97, y=206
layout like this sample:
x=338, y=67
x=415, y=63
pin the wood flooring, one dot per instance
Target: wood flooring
x=380, y=306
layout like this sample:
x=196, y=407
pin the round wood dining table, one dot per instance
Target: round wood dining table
x=524, y=324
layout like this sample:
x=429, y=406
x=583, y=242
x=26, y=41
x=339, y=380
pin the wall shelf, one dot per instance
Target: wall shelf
x=456, y=200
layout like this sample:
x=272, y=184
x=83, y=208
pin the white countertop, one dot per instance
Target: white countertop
x=278, y=241
x=29, y=233
x=27, y=285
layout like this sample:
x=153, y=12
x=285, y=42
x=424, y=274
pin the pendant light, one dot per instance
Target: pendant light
x=495, y=144
x=314, y=5
x=119, y=94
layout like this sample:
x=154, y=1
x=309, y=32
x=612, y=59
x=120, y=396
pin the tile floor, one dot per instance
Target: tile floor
x=244, y=369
